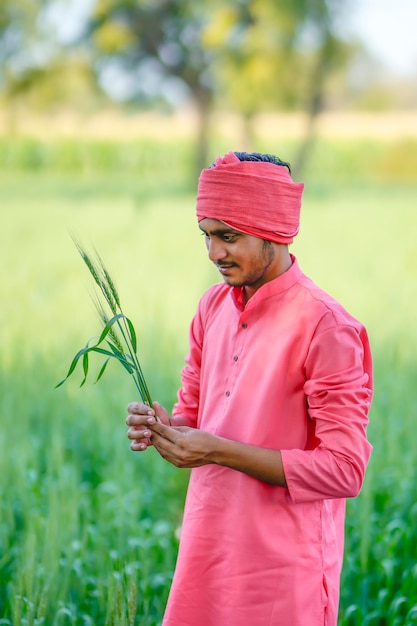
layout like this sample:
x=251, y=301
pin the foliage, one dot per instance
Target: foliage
x=251, y=47
x=252, y=55
x=151, y=42
x=118, y=334
x=23, y=41
x=135, y=161
x=36, y=70
x=152, y=51
x=268, y=52
x=67, y=82
x=86, y=535
x=16, y=31
x=379, y=585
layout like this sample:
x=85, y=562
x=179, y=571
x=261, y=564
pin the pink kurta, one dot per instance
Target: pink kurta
x=291, y=371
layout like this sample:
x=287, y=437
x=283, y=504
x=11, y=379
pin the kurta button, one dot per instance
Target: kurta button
x=227, y=393
x=235, y=358
x=244, y=325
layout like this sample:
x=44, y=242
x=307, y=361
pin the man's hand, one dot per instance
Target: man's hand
x=182, y=446
x=139, y=419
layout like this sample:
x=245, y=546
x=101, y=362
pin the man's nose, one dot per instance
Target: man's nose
x=216, y=250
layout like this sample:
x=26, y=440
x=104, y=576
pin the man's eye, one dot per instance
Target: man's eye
x=228, y=238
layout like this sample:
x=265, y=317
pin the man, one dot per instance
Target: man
x=271, y=416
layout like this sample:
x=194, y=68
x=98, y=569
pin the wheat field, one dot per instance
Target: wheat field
x=88, y=530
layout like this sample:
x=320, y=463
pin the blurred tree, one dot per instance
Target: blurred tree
x=277, y=55
x=17, y=20
x=38, y=72
x=20, y=45
x=255, y=54
x=147, y=48
x=252, y=55
x=66, y=82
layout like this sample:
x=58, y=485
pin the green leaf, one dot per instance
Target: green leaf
x=101, y=372
x=116, y=354
x=101, y=351
x=85, y=366
x=75, y=360
x=122, y=358
x=132, y=334
x=108, y=326
x=119, y=354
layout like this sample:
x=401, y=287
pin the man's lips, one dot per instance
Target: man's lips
x=225, y=268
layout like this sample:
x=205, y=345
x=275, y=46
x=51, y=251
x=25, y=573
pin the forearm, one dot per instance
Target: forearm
x=187, y=447
x=261, y=463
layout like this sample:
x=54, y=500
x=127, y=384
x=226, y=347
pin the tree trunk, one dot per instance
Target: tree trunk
x=247, y=131
x=204, y=103
x=315, y=107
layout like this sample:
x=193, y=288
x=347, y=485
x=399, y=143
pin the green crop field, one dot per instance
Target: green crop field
x=88, y=529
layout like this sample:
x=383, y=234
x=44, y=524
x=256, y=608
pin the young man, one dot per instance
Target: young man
x=271, y=416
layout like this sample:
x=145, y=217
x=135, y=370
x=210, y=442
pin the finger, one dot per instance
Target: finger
x=139, y=446
x=161, y=413
x=140, y=408
x=166, y=430
x=133, y=419
x=168, y=433
x=160, y=428
x=138, y=434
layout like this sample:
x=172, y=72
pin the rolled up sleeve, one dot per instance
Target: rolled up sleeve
x=338, y=392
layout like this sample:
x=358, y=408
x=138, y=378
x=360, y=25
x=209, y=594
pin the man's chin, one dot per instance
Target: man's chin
x=231, y=276
x=232, y=282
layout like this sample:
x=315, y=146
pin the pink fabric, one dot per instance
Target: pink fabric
x=290, y=371
x=257, y=198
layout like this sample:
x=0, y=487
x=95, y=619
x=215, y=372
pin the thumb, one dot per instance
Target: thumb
x=161, y=413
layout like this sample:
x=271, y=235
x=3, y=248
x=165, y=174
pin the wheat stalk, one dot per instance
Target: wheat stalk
x=118, y=335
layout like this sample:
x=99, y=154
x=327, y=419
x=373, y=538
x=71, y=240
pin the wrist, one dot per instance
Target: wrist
x=262, y=463
x=218, y=450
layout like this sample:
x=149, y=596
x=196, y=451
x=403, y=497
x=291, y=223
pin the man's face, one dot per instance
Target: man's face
x=242, y=260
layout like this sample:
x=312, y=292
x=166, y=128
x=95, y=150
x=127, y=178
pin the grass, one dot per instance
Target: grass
x=82, y=520
x=88, y=530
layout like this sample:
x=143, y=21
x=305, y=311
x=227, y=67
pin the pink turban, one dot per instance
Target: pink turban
x=256, y=197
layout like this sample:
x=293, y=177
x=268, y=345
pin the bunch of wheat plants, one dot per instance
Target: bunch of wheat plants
x=118, y=335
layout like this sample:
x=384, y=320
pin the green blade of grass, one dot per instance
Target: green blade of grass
x=74, y=362
x=132, y=334
x=103, y=369
x=85, y=366
x=109, y=325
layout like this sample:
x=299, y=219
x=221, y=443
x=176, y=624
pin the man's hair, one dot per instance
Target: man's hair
x=266, y=158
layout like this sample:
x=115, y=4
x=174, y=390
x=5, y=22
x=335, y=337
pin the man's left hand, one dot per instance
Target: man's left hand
x=182, y=446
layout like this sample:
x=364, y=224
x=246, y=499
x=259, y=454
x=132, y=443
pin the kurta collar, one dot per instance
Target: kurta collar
x=271, y=288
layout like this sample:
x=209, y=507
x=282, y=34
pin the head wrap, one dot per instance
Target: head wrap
x=256, y=197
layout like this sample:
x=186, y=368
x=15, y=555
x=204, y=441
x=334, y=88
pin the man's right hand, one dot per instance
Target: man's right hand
x=139, y=417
